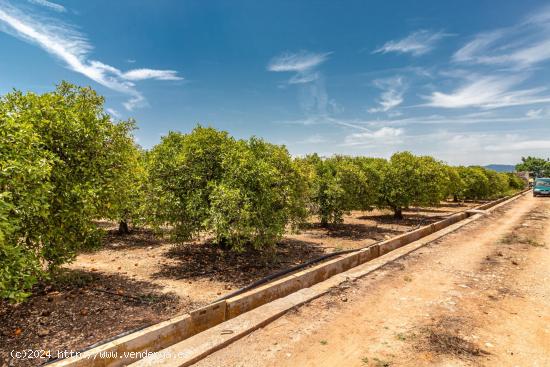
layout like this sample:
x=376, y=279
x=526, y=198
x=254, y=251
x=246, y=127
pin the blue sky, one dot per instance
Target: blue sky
x=464, y=81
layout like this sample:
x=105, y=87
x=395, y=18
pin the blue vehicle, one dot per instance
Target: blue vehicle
x=541, y=187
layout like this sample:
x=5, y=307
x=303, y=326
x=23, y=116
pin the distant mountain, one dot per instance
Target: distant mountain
x=501, y=167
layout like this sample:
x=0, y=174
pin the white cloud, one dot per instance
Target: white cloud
x=50, y=5
x=70, y=46
x=302, y=63
x=303, y=78
x=520, y=46
x=471, y=118
x=383, y=136
x=313, y=96
x=314, y=99
x=521, y=145
x=298, y=62
x=114, y=113
x=417, y=43
x=392, y=95
x=488, y=92
x=534, y=113
x=477, y=147
x=142, y=74
x=313, y=139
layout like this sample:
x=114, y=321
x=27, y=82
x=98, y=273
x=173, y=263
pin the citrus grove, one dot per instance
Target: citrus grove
x=64, y=163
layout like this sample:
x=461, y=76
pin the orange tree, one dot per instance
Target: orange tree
x=338, y=185
x=412, y=180
x=60, y=167
x=242, y=192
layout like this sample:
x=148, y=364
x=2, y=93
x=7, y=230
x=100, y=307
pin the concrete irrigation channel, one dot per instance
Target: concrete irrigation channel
x=186, y=339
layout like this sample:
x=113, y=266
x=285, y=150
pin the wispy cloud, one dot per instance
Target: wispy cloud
x=520, y=144
x=535, y=113
x=142, y=74
x=313, y=96
x=519, y=46
x=66, y=43
x=302, y=63
x=313, y=139
x=298, y=62
x=417, y=43
x=488, y=92
x=470, y=118
x=385, y=136
x=480, y=147
x=392, y=93
x=114, y=113
x=50, y=5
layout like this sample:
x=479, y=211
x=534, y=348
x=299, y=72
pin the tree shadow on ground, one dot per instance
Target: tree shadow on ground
x=442, y=210
x=138, y=237
x=409, y=219
x=81, y=308
x=351, y=231
x=208, y=261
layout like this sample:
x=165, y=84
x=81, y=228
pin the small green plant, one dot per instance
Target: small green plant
x=405, y=336
x=323, y=342
x=532, y=242
x=407, y=278
x=508, y=239
x=381, y=363
x=401, y=336
x=365, y=360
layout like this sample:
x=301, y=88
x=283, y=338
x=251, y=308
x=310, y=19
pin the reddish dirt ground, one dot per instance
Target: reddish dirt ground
x=202, y=272
x=477, y=297
x=141, y=278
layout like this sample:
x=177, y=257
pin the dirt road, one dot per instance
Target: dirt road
x=477, y=297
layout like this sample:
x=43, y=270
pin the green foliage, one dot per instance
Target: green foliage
x=64, y=163
x=481, y=183
x=124, y=183
x=476, y=183
x=243, y=192
x=455, y=184
x=538, y=167
x=260, y=193
x=59, y=167
x=24, y=203
x=515, y=182
x=498, y=183
x=338, y=185
x=412, y=180
x=183, y=170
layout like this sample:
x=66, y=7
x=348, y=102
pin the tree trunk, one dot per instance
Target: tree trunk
x=123, y=227
x=397, y=213
x=324, y=222
x=455, y=199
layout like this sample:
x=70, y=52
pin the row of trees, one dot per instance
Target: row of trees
x=340, y=184
x=64, y=163
x=537, y=167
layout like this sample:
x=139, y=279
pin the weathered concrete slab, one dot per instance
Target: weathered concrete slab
x=189, y=351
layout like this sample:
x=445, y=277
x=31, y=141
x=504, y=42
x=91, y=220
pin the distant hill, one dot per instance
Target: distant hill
x=501, y=167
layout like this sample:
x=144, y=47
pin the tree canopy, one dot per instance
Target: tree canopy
x=412, y=180
x=62, y=163
x=539, y=167
x=242, y=192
